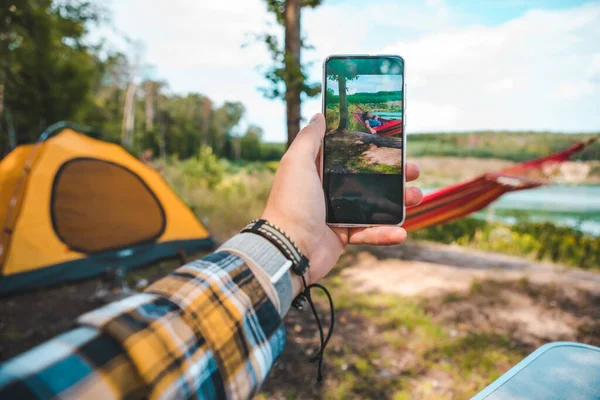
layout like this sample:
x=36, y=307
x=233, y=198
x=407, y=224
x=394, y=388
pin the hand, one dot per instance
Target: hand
x=297, y=205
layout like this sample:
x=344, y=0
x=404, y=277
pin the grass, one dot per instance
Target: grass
x=225, y=195
x=436, y=362
x=359, y=164
x=464, y=363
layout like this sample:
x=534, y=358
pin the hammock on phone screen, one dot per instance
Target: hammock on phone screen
x=457, y=201
x=390, y=126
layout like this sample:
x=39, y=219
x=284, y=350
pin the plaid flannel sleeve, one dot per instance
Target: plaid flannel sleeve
x=208, y=330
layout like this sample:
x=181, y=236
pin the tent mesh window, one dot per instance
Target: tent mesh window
x=98, y=206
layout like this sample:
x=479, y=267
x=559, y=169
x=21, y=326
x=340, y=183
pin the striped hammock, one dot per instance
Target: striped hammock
x=457, y=201
x=390, y=126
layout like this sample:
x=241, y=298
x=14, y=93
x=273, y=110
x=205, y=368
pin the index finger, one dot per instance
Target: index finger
x=377, y=235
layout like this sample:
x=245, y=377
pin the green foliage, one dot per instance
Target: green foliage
x=285, y=73
x=205, y=167
x=270, y=151
x=367, y=98
x=541, y=241
x=250, y=143
x=515, y=146
x=360, y=164
x=49, y=72
x=224, y=194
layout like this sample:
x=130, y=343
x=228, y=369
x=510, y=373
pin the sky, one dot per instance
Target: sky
x=511, y=64
x=369, y=83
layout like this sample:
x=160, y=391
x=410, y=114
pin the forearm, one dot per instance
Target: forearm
x=212, y=327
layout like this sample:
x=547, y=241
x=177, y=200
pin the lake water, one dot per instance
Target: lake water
x=389, y=115
x=573, y=206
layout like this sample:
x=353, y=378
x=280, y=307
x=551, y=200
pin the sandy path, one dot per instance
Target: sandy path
x=383, y=155
x=431, y=269
x=488, y=291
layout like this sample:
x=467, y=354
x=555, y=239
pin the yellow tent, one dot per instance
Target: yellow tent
x=72, y=206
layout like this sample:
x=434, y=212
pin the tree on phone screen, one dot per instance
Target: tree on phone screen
x=338, y=70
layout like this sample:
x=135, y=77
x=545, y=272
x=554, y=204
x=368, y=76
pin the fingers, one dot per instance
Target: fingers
x=385, y=235
x=413, y=196
x=308, y=141
x=412, y=171
x=378, y=235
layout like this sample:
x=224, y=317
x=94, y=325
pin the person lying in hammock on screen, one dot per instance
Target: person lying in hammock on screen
x=371, y=121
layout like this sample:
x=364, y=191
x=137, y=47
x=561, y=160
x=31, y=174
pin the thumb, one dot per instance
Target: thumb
x=308, y=140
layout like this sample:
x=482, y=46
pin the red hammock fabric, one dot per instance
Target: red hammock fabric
x=454, y=202
x=390, y=127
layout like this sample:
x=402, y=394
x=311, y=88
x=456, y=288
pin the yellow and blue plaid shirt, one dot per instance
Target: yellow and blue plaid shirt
x=208, y=330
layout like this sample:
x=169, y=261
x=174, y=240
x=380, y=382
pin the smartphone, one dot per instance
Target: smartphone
x=559, y=370
x=363, y=155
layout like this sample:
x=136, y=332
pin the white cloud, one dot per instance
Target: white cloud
x=569, y=90
x=197, y=46
x=512, y=76
x=460, y=76
x=500, y=86
x=431, y=117
x=594, y=68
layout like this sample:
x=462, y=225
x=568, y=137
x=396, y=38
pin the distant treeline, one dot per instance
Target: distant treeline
x=51, y=73
x=514, y=146
x=365, y=98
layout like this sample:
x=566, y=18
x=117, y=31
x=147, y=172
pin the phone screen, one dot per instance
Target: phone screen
x=363, y=150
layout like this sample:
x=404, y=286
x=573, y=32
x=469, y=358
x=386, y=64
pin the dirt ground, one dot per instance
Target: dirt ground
x=353, y=152
x=493, y=310
x=414, y=321
x=382, y=155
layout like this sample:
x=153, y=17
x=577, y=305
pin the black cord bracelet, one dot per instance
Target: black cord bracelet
x=300, y=264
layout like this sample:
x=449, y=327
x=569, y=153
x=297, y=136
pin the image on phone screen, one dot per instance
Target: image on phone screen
x=363, y=150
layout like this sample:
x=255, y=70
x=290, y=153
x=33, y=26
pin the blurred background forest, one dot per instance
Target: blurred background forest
x=52, y=73
x=445, y=341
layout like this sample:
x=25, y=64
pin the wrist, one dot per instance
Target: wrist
x=290, y=229
x=297, y=285
x=289, y=248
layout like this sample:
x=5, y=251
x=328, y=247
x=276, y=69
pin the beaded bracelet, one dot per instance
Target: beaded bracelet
x=282, y=241
x=300, y=265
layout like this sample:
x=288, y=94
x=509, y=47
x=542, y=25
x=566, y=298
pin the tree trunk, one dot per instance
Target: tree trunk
x=128, y=116
x=149, y=106
x=12, y=134
x=293, y=82
x=6, y=121
x=162, y=126
x=207, y=108
x=4, y=64
x=343, y=103
x=162, y=136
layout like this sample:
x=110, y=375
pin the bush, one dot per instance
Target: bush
x=223, y=194
x=538, y=240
